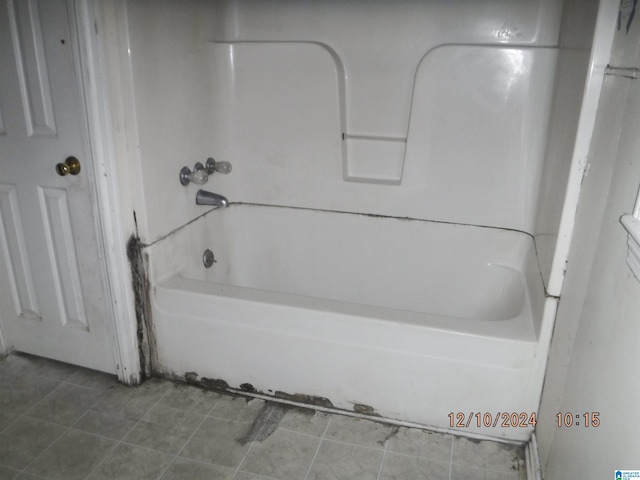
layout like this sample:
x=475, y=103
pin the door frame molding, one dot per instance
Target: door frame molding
x=3, y=348
x=113, y=229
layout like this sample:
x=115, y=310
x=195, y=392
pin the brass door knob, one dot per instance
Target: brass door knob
x=71, y=166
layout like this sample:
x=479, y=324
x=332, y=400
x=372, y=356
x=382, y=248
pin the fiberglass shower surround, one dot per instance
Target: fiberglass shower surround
x=377, y=253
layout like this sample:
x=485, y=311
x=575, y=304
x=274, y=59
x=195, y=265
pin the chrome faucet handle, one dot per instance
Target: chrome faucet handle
x=217, y=166
x=199, y=175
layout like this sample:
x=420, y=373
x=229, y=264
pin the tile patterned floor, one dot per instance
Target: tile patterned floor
x=60, y=422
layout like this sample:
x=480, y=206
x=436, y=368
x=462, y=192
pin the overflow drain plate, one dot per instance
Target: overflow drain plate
x=208, y=259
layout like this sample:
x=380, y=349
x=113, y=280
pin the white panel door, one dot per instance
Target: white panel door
x=53, y=299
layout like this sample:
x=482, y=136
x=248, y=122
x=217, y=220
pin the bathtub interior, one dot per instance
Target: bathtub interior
x=394, y=181
x=465, y=272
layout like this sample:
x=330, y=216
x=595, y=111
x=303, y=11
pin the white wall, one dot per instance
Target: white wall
x=594, y=357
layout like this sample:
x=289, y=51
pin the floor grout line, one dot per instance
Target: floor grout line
x=66, y=427
x=121, y=441
x=322, y=439
x=422, y=457
x=177, y=455
x=342, y=442
x=237, y=469
x=24, y=470
x=453, y=442
x=384, y=455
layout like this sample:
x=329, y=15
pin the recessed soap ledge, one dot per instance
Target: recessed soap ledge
x=374, y=160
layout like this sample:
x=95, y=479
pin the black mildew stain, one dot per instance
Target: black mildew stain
x=247, y=387
x=307, y=399
x=214, y=383
x=365, y=409
x=138, y=262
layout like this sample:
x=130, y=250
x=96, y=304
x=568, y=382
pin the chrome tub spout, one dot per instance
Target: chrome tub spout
x=209, y=198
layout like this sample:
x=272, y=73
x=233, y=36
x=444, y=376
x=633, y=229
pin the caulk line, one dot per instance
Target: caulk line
x=376, y=215
x=145, y=245
x=372, y=215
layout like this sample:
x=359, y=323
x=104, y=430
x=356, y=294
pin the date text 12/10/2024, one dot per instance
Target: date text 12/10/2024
x=522, y=419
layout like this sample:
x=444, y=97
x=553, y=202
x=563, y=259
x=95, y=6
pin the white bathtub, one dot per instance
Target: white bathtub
x=409, y=319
